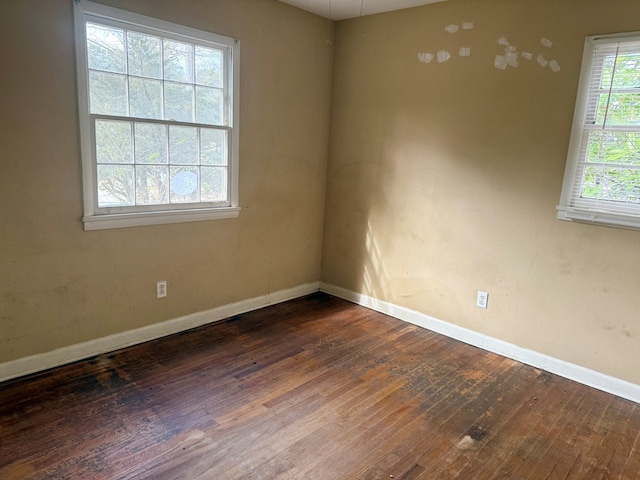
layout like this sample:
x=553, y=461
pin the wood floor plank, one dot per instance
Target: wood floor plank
x=633, y=456
x=381, y=460
x=411, y=428
x=314, y=388
x=569, y=442
x=568, y=416
x=596, y=454
x=490, y=435
x=522, y=442
x=438, y=406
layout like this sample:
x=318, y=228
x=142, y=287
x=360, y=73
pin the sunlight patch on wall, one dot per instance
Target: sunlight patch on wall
x=374, y=275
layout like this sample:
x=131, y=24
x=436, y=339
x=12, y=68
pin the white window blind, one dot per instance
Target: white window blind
x=602, y=179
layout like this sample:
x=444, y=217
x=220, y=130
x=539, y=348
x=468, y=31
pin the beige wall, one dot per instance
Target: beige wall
x=60, y=285
x=443, y=179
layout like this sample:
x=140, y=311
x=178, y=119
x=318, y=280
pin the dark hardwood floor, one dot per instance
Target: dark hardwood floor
x=315, y=388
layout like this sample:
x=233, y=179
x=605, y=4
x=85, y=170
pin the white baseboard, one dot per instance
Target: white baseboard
x=583, y=375
x=72, y=353
x=36, y=363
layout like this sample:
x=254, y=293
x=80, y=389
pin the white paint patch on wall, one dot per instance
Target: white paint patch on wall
x=542, y=61
x=546, y=42
x=508, y=58
x=425, y=57
x=443, y=56
x=511, y=55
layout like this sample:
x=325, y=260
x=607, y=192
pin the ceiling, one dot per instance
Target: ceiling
x=343, y=9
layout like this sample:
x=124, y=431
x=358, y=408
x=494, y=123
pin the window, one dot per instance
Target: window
x=158, y=118
x=602, y=178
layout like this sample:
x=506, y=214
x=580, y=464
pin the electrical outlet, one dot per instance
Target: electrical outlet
x=482, y=300
x=161, y=289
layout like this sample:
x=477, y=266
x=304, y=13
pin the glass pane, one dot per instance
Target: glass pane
x=178, y=61
x=621, y=109
x=145, y=98
x=209, y=104
x=144, y=55
x=184, y=184
x=178, y=102
x=183, y=145
x=615, y=184
x=108, y=93
x=152, y=185
x=606, y=146
x=607, y=71
x=209, y=67
x=214, y=184
x=105, y=48
x=150, y=143
x=115, y=185
x=626, y=74
x=113, y=142
x=213, y=146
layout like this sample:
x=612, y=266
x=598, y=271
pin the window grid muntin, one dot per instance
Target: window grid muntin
x=226, y=94
x=136, y=207
x=88, y=10
x=162, y=35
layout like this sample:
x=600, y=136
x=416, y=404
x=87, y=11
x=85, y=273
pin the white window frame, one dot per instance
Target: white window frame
x=572, y=206
x=96, y=218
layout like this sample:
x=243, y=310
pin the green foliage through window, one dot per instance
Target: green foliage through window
x=612, y=157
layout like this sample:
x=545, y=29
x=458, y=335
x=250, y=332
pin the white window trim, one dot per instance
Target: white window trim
x=93, y=220
x=589, y=213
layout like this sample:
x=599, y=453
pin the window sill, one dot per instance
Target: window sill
x=124, y=220
x=598, y=218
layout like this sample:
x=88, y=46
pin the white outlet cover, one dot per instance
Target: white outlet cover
x=482, y=299
x=161, y=289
